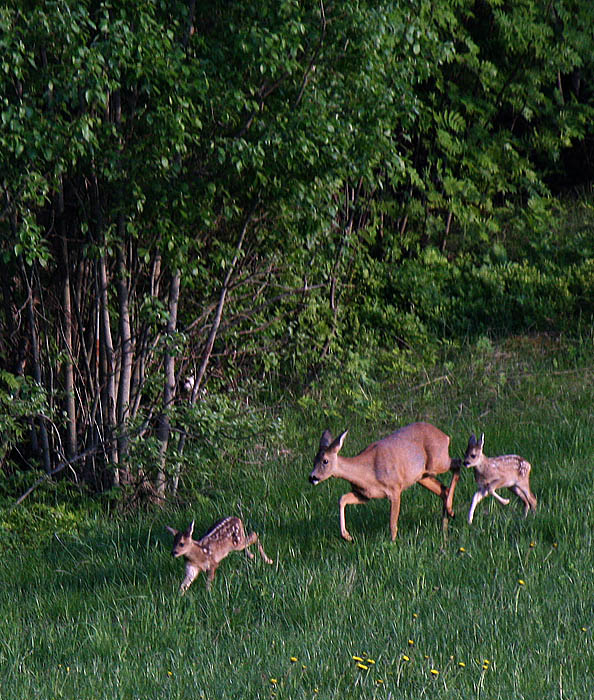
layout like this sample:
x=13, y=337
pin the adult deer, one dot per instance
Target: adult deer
x=414, y=454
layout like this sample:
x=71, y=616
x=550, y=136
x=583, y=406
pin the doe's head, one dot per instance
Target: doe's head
x=182, y=540
x=474, y=451
x=325, y=460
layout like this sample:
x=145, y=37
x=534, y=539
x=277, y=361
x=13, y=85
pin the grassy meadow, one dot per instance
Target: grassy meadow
x=497, y=610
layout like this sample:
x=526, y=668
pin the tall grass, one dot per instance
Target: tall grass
x=497, y=610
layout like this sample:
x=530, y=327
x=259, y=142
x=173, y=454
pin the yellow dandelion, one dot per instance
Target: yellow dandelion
x=461, y=550
x=486, y=661
x=555, y=545
x=584, y=629
x=533, y=544
x=169, y=673
x=379, y=681
x=461, y=664
x=405, y=657
x=67, y=669
x=426, y=656
x=370, y=661
x=274, y=681
x=363, y=667
x=303, y=666
x=357, y=658
x=293, y=659
x=521, y=582
x=434, y=672
x=411, y=642
x=415, y=616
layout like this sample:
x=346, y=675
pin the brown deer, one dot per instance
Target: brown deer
x=507, y=471
x=413, y=454
x=205, y=554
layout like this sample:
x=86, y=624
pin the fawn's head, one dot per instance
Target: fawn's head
x=182, y=541
x=474, y=451
x=325, y=460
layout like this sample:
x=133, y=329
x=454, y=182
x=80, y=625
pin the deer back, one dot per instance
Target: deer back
x=225, y=536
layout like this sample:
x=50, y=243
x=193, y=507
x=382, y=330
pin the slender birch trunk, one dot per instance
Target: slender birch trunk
x=126, y=349
x=108, y=370
x=164, y=425
x=70, y=403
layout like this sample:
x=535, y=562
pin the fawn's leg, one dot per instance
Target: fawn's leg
x=254, y=539
x=191, y=573
x=524, y=497
x=476, y=499
x=210, y=574
x=503, y=501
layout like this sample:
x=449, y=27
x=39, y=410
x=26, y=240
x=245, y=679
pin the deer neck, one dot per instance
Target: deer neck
x=357, y=470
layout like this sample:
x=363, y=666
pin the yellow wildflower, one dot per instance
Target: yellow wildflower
x=434, y=672
x=357, y=658
x=362, y=666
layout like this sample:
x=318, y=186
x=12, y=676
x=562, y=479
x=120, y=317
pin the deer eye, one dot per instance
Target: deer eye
x=324, y=461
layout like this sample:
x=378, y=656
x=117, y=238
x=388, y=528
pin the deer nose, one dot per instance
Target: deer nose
x=313, y=479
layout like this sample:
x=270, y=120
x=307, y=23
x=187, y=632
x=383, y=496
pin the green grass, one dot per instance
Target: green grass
x=93, y=612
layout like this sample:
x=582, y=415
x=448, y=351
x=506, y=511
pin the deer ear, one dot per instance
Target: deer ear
x=472, y=440
x=325, y=440
x=172, y=530
x=337, y=444
x=190, y=530
x=482, y=442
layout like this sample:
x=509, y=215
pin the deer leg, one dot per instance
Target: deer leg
x=349, y=499
x=476, y=499
x=449, y=503
x=456, y=465
x=525, y=496
x=503, y=501
x=191, y=573
x=435, y=486
x=394, y=513
x=253, y=538
x=210, y=574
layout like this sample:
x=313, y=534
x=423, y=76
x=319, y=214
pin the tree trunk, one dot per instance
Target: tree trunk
x=70, y=404
x=45, y=450
x=164, y=427
x=123, y=401
x=108, y=370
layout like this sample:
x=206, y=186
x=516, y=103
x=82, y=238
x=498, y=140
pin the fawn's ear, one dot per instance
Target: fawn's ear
x=482, y=442
x=190, y=530
x=172, y=530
